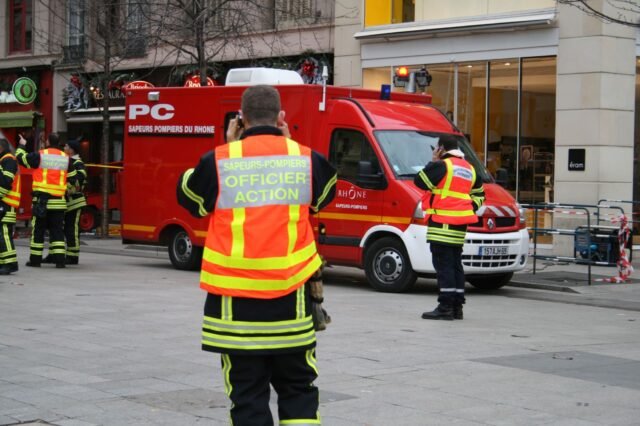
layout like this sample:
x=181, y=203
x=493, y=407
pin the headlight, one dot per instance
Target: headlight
x=523, y=218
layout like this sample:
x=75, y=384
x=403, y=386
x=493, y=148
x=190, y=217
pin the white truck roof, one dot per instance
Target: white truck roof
x=254, y=76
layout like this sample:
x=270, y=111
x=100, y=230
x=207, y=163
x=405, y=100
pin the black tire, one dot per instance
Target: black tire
x=387, y=266
x=490, y=282
x=89, y=219
x=183, y=254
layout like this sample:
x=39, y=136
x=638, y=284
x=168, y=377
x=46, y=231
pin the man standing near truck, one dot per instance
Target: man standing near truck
x=75, y=202
x=456, y=192
x=51, y=167
x=259, y=252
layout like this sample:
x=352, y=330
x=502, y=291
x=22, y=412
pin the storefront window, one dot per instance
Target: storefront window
x=537, y=130
x=515, y=135
x=471, y=106
x=403, y=11
x=502, y=125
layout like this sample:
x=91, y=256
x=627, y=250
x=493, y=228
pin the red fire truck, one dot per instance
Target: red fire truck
x=377, y=145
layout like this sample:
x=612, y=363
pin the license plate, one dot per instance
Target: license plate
x=494, y=251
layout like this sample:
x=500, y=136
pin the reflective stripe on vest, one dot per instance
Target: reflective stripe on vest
x=260, y=243
x=451, y=202
x=51, y=175
x=12, y=197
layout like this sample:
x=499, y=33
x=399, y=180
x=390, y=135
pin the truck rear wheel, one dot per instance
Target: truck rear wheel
x=89, y=219
x=387, y=266
x=183, y=254
x=490, y=282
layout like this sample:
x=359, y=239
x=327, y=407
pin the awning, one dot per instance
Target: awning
x=94, y=115
x=19, y=119
x=93, y=118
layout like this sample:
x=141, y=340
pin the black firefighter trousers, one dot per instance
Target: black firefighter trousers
x=54, y=222
x=447, y=260
x=247, y=379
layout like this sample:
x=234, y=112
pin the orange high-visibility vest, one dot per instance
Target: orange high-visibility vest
x=51, y=175
x=260, y=243
x=12, y=197
x=451, y=202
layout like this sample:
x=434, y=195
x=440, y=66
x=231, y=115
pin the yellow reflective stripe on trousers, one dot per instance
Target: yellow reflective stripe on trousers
x=239, y=215
x=300, y=305
x=258, y=342
x=226, y=370
x=223, y=281
x=301, y=422
x=226, y=310
x=310, y=356
x=255, y=327
x=267, y=263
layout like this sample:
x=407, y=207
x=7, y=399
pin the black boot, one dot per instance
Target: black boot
x=442, y=312
x=71, y=260
x=5, y=270
x=48, y=259
x=33, y=264
x=60, y=265
x=457, y=312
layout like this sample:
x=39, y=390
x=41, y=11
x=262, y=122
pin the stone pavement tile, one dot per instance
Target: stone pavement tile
x=131, y=412
x=211, y=380
x=63, y=375
x=80, y=393
x=74, y=422
x=502, y=415
x=31, y=413
x=7, y=404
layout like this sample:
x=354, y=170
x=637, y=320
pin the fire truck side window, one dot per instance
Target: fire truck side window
x=348, y=148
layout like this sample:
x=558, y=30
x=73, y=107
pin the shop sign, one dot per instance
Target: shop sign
x=25, y=90
x=138, y=84
x=577, y=160
x=194, y=81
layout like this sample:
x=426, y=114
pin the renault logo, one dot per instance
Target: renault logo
x=491, y=224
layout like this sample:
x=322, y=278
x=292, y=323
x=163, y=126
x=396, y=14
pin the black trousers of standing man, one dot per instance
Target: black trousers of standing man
x=447, y=260
x=53, y=221
x=247, y=379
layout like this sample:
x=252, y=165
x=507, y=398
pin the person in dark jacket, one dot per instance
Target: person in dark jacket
x=75, y=201
x=456, y=192
x=259, y=253
x=10, y=188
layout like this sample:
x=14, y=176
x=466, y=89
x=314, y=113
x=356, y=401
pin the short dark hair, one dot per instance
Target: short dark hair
x=261, y=105
x=5, y=145
x=54, y=139
x=448, y=142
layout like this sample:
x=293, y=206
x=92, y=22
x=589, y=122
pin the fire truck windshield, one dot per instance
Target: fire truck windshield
x=408, y=151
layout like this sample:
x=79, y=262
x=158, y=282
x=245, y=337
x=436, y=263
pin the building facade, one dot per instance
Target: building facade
x=545, y=93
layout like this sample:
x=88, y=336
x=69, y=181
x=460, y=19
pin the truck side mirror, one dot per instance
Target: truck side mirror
x=369, y=178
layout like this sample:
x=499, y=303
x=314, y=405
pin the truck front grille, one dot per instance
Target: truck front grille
x=489, y=261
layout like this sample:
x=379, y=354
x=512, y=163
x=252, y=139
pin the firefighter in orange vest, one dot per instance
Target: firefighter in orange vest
x=455, y=193
x=51, y=169
x=9, y=202
x=259, y=252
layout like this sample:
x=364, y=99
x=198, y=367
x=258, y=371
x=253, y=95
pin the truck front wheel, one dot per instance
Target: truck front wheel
x=387, y=266
x=490, y=282
x=183, y=254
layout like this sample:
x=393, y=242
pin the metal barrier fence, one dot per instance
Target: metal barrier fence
x=586, y=238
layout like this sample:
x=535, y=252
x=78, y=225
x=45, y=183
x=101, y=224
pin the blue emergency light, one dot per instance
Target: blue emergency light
x=385, y=92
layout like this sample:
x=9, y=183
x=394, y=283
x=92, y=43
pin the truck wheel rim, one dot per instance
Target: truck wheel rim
x=182, y=247
x=388, y=265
